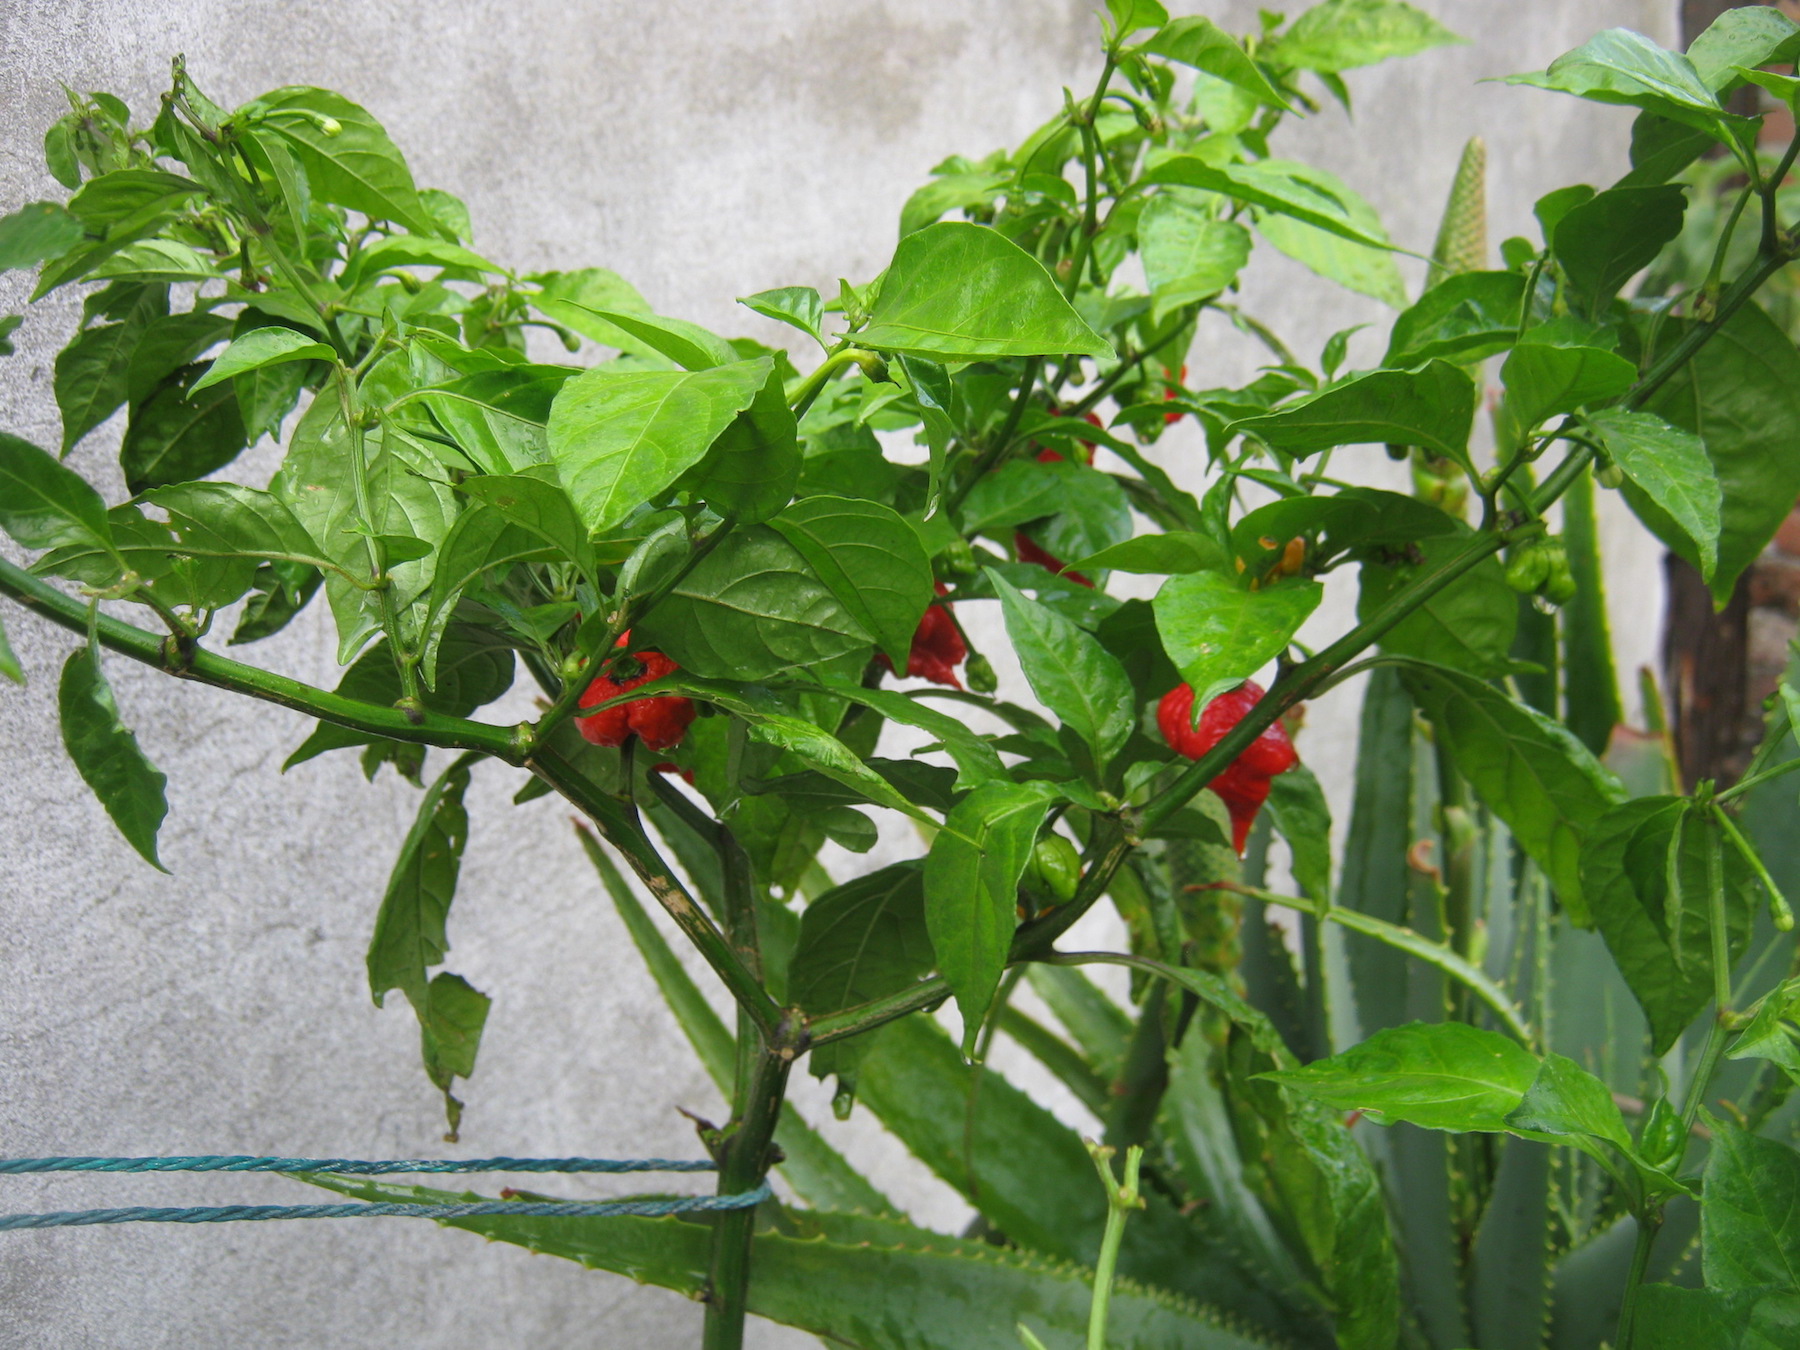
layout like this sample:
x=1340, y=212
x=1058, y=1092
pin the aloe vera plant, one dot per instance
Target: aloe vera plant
x=1509, y=1068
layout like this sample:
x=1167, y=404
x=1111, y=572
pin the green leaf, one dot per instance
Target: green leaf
x=858, y=942
x=1466, y=317
x=1358, y=267
x=1670, y=468
x=950, y=192
x=358, y=166
x=232, y=528
x=1620, y=66
x=1285, y=187
x=450, y=1036
x=43, y=505
x=262, y=347
x=1751, y=36
x=829, y=756
x=1741, y=395
x=1129, y=16
x=751, y=608
x=1070, y=672
x=1750, y=1214
x=620, y=439
x=127, y=193
x=1298, y=808
x=1341, y=35
x=1624, y=870
x=1086, y=510
x=854, y=1278
x=1172, y=554
x=971, y=889
x=797, y=306
x=93, y=373
x=1606, y=240
x=1197, y=41
x=176, y=436
x=1188, y=256
x=35, y=232
x=171, y=342
x=1769, y=1036
x=976, y=760
x=410, y=935
x=1350, y=520
x=1219, y=634
x=1670, y=1317
x=1542, y=380
x=1468, y=625
x=1442, y=1076
x=1528, y=769
x=535, y=504
x=410, y=250
x=1433, y=407
x=688, y=345
x=9, y=664
x=576, y=300
x=754, y=466
x=963, y=292
x=872, y=561
x=106, y=754
x=157, y=260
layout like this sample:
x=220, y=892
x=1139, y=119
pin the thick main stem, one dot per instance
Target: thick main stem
x=745, y=1156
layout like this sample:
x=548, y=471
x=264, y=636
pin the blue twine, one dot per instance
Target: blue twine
x=238, y=1163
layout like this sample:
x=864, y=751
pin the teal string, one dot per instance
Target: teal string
x=510, y=1208
x=239, y=1163
x=245, y=1163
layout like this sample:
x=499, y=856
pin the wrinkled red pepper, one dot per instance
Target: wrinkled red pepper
x=1244, y=786
x=660, y=721
x=937, y=646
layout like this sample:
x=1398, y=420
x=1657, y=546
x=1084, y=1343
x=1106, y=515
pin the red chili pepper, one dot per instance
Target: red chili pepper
x=659, y=721
x=1029, y=552
x=937, y=646
x=1244, y=786
x=1168, y=395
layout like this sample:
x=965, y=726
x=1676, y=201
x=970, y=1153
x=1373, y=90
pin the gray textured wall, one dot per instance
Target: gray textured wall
x=705, y=150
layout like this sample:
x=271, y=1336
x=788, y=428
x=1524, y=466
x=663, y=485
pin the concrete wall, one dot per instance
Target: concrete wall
x=705, y=150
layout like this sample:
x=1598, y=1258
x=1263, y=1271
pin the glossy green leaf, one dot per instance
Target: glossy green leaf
x=971, y=889
x=178, y=435
x=1442, y=1076
x=105, y=753
x=1358, y=267
x=127, y=193
x=688, y=345
x=754, y=466
x=1603, y=242
x=1529, y=770
x=620, y=439
x=1302, y=817
x=171, y=342
x=1466, y=317
x=1342, y=35
x=410, y=935
x=1754, y=35
x=1542, y=380
x=872, y=561
x=1624, y=870
x=42, y=504
x=1750, y=1214
x=1433, y=407
x=797, y=306
x=263, y=347
x=1741, y=395
x=1352, y=519
x=750, y=608
x=1188, y=256
x=1219, y=634
x=157, y=260
x=1565, y=1099
x=450, y=1036
x=858, y=942
x=35, y=232
x=577, y=299
x=1070, y=672
x=976, y=760
x=536, y=504
x=1770, y=1034
x=1285, y=187
x=1129, y=16
x=950, y=192
x=1468, y=625
x=357, y=166
x=1670, y=468
x=1672, y=1317
x=1084, y=510
x=1620, y=66
x=965, y=292
x=410, y=250
x=497, y=417
x=1172, y=554
x=93, y=373
x=224, y=521
x=1197, y=41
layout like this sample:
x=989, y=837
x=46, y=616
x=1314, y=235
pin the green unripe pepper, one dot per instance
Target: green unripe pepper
x=1528, y=568
x=979, y=672
x=1055, y=867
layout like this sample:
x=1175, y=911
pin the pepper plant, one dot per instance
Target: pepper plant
x=1521, y=1076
